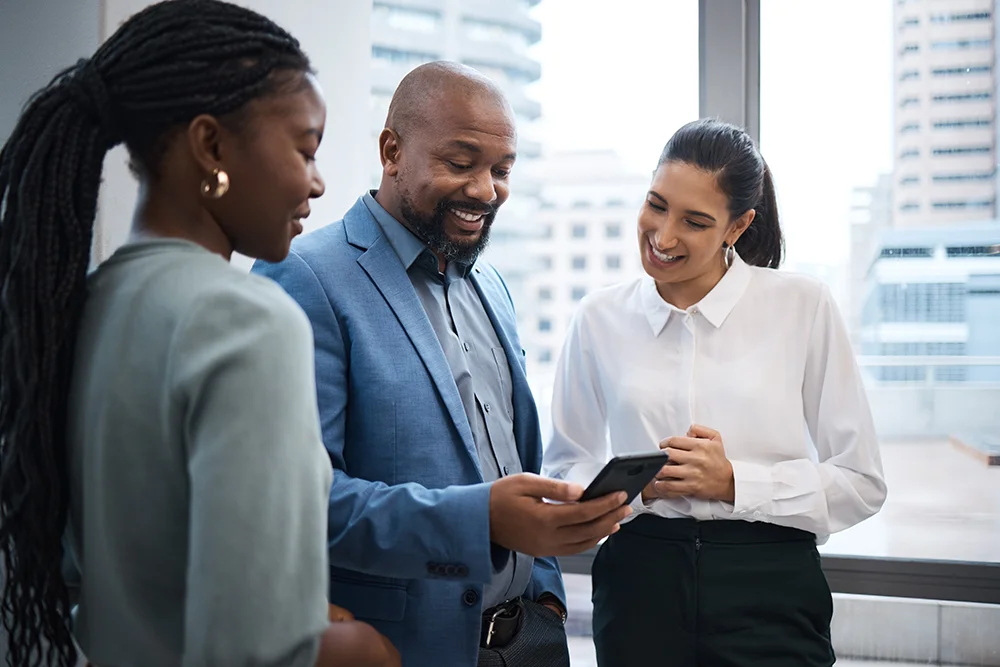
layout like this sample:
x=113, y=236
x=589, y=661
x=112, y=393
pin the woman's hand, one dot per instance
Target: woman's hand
x=698, y=468
x=337, y=614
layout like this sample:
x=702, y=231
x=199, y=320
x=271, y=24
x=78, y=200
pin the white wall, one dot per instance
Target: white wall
x=336, y=36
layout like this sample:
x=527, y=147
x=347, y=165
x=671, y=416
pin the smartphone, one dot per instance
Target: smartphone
x=628, y=473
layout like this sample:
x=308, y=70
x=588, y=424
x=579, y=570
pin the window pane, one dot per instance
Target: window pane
x=915, y=261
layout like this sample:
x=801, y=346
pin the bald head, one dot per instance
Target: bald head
x=437, y=86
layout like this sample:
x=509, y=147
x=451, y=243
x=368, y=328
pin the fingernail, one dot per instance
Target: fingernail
x=622, y=497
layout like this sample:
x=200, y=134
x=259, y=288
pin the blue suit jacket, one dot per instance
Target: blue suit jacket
x=409, y=513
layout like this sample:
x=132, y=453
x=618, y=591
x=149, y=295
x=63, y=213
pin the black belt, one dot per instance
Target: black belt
x=714, y=531
x=501, y=623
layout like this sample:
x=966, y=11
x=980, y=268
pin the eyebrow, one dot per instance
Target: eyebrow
x=693, y=213
x=473, y=148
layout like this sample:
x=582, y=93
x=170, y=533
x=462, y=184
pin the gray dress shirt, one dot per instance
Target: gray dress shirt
x=478, y=364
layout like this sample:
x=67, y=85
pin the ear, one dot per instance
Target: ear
x=389, y=151
x=739, y=226
x=205, y=137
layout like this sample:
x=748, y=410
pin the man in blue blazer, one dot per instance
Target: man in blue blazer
x=439, y=533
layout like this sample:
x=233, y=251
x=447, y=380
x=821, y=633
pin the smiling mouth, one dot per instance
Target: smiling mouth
x=662, y=257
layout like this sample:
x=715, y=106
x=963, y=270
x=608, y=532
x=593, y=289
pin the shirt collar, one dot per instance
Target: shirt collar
x=714, y=307
x=409, y=248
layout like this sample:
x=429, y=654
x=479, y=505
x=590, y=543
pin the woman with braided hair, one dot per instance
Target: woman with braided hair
x=159, y=414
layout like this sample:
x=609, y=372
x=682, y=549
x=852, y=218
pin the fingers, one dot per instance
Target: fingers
x=699, y=431
x=336, y=614
x=685, y=443
x=580, y=513
x=545, y=487
x=673, y=488
x=595, y=530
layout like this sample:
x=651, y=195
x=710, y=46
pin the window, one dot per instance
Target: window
x=578, y=231
x=510, y=73
x=909, y=48
x=545, y=232
x=616, y=202
x=909, y=180
x=581, y=203
x=909, y=128
x=577, y=293
x=963, y=178
x=963, y=97
x=909, y=153
x=545, y=356
x=490, y=31
x=962, y=71
x=963, y=150
x=922, y=302
x=613, y=262
x=961, y=44
x=910, y=22
x=544, y=324
x=405, y=18
x=382, y=56
x=544, y=293
x=962, y=124
x=579, y=263
x=907, y=252
x=909, y=102
x=545, y=262
x=909, y=207
x=979, y=204
x=612, y=230
x=974, y=251
x=955, y=18
x=909, y=75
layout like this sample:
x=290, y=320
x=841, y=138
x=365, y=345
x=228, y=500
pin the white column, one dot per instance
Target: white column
x=336, y=36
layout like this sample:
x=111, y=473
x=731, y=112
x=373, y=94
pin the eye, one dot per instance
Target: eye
x=459, y=166
x=502, y=173
x=655, y=207
x=696, y=225
x=308, y=156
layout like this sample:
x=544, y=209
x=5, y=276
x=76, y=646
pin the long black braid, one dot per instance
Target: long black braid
x=167, y=64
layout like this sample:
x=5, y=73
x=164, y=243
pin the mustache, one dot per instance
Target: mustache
x=472, y=207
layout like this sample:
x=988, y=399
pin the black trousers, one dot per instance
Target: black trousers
x=684, y=593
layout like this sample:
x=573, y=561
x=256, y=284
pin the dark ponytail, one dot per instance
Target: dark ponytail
x=728, y=152
x=164, y=66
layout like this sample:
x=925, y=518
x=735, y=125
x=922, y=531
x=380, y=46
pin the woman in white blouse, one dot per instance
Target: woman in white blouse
x=746, y=377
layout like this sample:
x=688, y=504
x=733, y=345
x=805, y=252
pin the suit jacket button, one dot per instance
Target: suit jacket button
x=470, y=597
x=461, y=571
x=449, y=571
x=432, y=568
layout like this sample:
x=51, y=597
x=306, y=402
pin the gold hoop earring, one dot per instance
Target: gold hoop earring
x=220, y=187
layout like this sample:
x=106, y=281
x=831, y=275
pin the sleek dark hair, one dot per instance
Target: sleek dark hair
x=163, y=67
x=728, y=152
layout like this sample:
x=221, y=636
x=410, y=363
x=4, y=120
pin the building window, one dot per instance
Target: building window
x=919, y=373
x=581, y=203
x=963, y=150
x=897, y=253
x=613, y=230
x=579, y=263
x=578, y=293
x=545, y=356
x=910, y=22
x=382, y=56
x=578, y=231
x=545, y=232
x=976, y=204
x=613, y=262
x=909, y=127
x=909, y=180
x=961, y=124
x=615, y=203
x=909, y=153
x=544, y=293
x=545, y=263
x=974, y=251
x=962, y=71
x=544, y=324
x=954, y=18
x=909, y=102
x=961, y=44
x=909, y=48
x=909, y=207
x=964, y=178
x=909, y=75
x=922, y=302
x=964, y=97
x=400, y=18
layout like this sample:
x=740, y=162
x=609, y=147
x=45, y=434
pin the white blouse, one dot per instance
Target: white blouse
x=764, y=359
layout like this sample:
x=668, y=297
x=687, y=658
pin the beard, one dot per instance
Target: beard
x=431, y=229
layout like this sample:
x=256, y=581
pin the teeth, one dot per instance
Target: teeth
x=468, y=217
x=662, y=256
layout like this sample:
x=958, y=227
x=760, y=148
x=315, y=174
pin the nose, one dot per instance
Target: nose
x=664, y=238
x=481, y=187
x=318, y=185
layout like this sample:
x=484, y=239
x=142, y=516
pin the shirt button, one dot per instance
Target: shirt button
x=486, y=407
x=757, y=515
x=506, y=470
x=466, y=347
x=470, y=597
